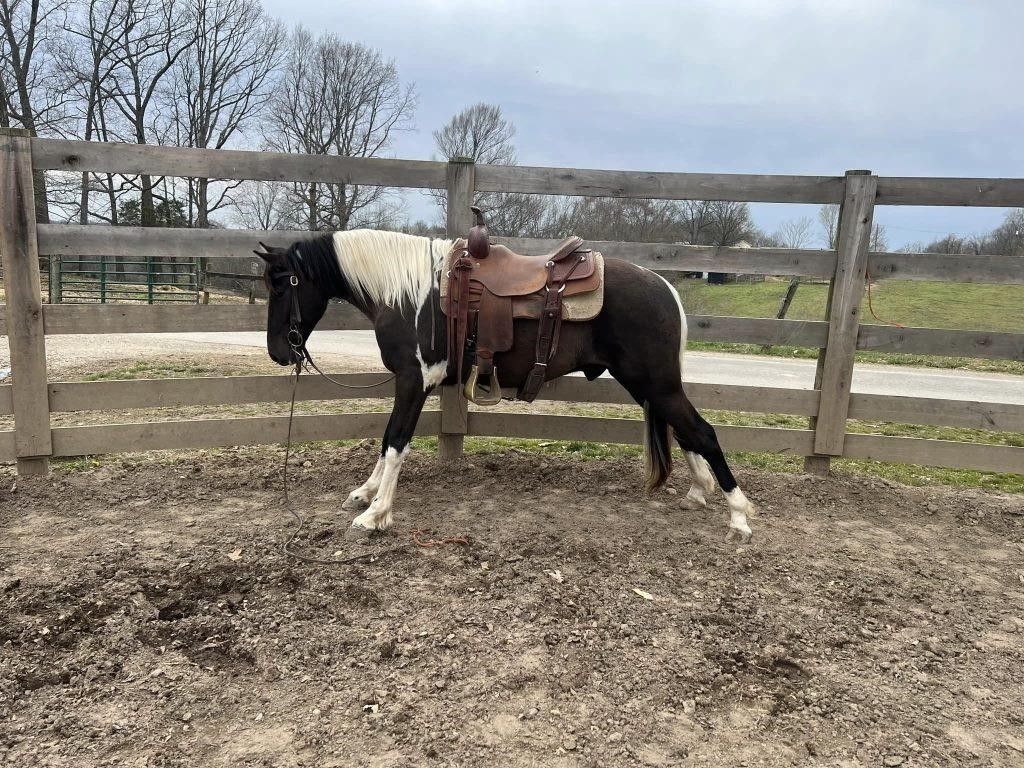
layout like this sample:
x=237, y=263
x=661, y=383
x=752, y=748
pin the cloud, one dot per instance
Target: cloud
x=915, y=87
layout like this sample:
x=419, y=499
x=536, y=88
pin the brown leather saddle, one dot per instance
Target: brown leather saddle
x=490, y=285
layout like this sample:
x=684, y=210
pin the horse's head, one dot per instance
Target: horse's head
x=295, y=304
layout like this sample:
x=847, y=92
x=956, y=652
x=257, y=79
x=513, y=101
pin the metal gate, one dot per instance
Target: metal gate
x=111, y=280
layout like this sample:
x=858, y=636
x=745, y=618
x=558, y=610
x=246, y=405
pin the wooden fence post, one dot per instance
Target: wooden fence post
x=454, y=407
x=835, y=362
x=24, y=304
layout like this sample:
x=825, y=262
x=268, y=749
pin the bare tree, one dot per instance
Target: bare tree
x=730, y=222
x=608, y=218
x=87, y=63
x=1008, y=238
x=28, y=95
x=479, y=132
x=143, y=39
x=262, y=205
x=698, y=217
x=879, y=238
x=795, y=233
x=336, y=98
x=828, y=217
x=483, y=134
x=221, y=82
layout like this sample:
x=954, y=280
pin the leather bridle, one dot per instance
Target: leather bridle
x=296, y=341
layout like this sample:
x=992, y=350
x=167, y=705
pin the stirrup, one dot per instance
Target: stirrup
x=493, y=396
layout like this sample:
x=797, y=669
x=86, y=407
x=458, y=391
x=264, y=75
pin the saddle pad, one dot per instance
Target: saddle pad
x=578, y=308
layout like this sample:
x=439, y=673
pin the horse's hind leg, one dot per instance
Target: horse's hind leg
x=703, y=481
x=696, y=436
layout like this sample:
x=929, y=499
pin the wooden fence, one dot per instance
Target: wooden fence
x=31, y=398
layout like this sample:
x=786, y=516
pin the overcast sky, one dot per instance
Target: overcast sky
x=902, y=87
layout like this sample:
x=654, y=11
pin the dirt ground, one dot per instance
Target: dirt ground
x=147, y=618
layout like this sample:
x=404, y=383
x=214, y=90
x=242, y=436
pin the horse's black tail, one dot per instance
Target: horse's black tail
x=657, y=449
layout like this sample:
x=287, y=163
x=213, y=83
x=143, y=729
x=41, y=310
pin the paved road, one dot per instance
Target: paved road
x=715, y=368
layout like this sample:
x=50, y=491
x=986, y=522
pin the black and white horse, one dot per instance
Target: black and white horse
x=639, y=337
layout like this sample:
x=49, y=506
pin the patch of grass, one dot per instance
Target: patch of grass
x=912, y=303
x=81, y=463
x=971, y=306
x=160, y=370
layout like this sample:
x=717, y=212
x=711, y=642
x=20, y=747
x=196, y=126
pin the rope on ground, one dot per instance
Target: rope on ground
x=871, y=309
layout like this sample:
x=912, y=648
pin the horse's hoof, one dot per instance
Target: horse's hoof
x=694, y=499
x=742, y=537
x=357, y=532
x=355, y=504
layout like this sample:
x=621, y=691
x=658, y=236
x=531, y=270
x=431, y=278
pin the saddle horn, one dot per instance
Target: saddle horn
x=478, y=243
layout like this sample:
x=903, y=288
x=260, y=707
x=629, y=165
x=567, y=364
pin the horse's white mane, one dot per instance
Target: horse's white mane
x=389, y=267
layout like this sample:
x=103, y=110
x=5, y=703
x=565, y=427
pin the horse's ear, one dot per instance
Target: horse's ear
x=270, y=254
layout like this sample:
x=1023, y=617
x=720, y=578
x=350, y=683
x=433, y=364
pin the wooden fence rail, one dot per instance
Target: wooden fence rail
x=30, y=399
x=141, y=242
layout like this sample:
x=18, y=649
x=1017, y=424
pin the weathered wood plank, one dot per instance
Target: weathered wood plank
x=461, y=184
x=794, y=442
x=954, y=268
x=758, y=330
x=133, y=159
x=24, y=307
x=124, y=318
x=144, y=242
x=723, y=397
x=665, y=186
x=940, y=341
x=845, y=294
x=209, y=433
x=1001, y=417
x=7, y=450
x=926, y=190
x=208, y=390
x=140, y=242
x=182, y=318
x=232, y=390
x=935, y=453
x=673, y=257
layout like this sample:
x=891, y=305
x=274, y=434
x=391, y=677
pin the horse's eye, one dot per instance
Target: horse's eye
x=277, y=284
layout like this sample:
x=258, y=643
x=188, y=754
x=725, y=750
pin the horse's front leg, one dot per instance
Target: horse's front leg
x=361, y=497
x=410, y=395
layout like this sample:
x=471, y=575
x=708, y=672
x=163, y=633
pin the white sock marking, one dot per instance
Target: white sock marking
x=378, y=516
x=739, y=506
x=366, y=491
